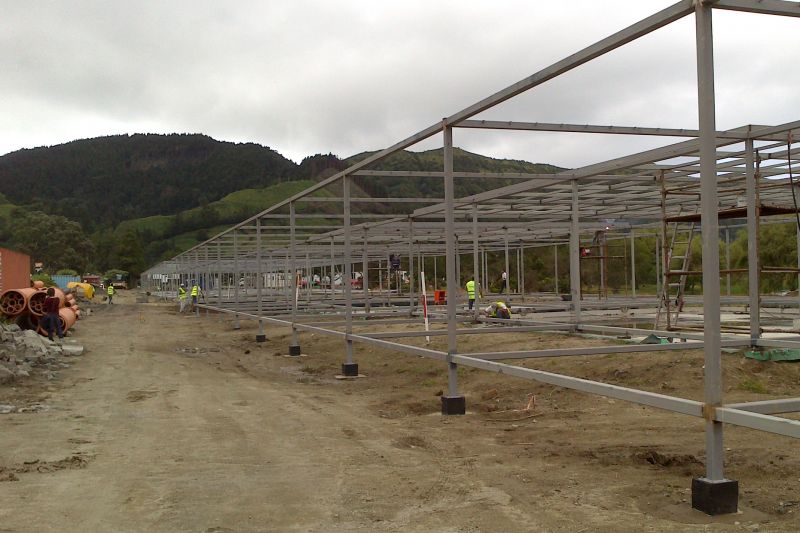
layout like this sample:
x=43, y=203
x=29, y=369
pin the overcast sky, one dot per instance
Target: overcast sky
x=346, y=76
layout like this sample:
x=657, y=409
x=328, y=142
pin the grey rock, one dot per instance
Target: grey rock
x=6, y=376
x=34, y=408
x=55, y=351
x=70, y=350
x=5, y=409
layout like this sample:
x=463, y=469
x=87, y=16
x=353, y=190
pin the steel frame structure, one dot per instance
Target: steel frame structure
x=252, y=269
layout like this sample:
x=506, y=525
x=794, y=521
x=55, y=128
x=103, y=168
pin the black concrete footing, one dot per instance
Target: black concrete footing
x=294, y=350
x=261, y=338
x=715, y=497
x=350, y=370
x=454, y=405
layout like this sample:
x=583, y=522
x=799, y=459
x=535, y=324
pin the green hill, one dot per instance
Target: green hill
x=127, y=201
x=101, y=182
x=169, y=234
x=432, y=161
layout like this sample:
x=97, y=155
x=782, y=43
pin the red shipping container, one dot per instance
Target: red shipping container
x=15, y=270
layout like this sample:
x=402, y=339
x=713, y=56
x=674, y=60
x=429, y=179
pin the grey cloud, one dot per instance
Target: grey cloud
x=353, y=75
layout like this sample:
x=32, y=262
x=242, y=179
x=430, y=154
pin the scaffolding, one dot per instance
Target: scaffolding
x=336, y=227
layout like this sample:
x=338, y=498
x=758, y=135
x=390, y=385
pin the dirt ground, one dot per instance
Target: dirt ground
x=177, y=423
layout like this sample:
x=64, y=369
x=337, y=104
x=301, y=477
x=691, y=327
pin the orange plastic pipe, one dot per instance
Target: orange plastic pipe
x=36, y=302
x=15, y=301
x=67, y=318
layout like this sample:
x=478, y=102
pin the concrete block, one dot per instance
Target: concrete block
x=454, y=405
x=715, y=497
x=350, y=369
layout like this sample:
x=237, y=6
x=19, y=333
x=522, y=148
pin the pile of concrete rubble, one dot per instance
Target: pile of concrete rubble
x=24, y=352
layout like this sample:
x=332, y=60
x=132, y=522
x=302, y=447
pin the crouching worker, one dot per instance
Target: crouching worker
x=498, y=310
x=51, y=319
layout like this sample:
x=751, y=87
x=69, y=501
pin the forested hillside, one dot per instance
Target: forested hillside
x=129, y=201
x=101, y=182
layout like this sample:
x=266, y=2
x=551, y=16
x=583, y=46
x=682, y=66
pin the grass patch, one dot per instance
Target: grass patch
x=753, y=385
x=314, y=370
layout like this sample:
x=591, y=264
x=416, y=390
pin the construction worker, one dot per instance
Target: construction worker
x=50, y=320
x=498, y=310
x=195, y=293
x=182, y=297
x=471, y=293
x=110, y=292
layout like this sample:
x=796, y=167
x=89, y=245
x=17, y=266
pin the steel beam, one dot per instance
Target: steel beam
x=766, y=7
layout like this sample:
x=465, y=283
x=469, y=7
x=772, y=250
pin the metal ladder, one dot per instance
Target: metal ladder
x=677, y=264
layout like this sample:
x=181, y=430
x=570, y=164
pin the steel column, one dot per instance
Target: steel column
x=208, y=278
x=410, y=267
x=475, y=269
x=236, y=274
x=633, y=264
x=220, y=273
x=507, y=281
x=294, y=346
x=555, y=266
x=333, y=270
x=710, y=235
x=450, y=247
x=365, y=272
x=575, y=255
x=347, y=275
x=259, y=283
x=728, y=261
x=753, y=264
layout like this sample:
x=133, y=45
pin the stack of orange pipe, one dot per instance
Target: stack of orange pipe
x=26, y=306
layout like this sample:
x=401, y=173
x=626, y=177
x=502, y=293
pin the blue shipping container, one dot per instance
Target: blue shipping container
x=62, y=281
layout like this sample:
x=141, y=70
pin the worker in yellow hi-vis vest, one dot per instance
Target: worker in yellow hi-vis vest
x=110, y=293
x=182, y=294
x=471, y=291
x=195, y=293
